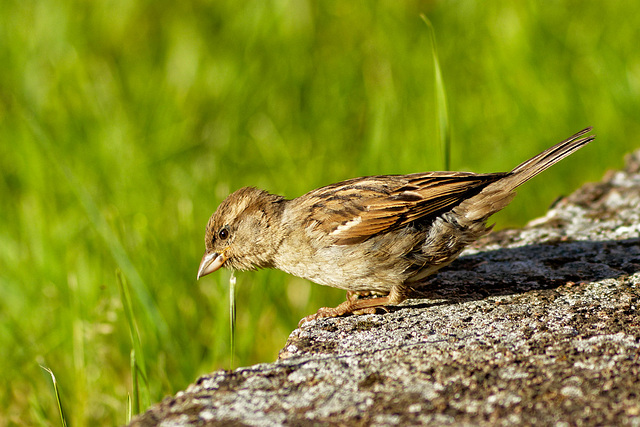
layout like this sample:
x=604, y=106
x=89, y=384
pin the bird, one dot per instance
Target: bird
x=377, y=237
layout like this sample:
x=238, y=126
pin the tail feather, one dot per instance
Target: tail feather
x=496, y=196
x=549, y=157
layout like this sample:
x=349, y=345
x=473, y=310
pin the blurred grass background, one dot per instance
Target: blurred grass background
x=123, y=124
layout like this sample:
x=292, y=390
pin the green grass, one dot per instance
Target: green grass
x=442, y=112
x=56, y=391
x=124, y=124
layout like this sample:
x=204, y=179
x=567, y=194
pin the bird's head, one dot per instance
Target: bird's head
x=242, y=232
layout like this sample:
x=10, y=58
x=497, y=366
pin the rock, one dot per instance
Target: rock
x=535, y=326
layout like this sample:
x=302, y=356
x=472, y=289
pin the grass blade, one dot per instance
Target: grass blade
x=134, y=402
x=444, y=130
x=129, y=410
x=138, y=365
x=57, y=393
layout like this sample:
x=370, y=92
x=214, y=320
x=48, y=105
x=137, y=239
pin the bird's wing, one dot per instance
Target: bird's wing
x=354, y=210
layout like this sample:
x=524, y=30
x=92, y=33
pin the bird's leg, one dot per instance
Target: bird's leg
x=360, y=306
x=356, y=295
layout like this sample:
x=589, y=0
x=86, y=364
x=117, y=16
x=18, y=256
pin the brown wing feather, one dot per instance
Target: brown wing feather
x=354, y=210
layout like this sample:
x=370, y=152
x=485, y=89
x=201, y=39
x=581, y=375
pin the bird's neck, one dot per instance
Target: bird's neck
x=269, y=234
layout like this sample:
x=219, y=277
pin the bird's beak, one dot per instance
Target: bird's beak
x=210, y=263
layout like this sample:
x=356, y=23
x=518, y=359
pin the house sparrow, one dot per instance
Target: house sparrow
x=373, y=235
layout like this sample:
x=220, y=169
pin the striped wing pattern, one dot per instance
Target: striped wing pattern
x=354, y=210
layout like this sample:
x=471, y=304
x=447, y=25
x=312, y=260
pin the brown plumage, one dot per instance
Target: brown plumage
x=379, y=234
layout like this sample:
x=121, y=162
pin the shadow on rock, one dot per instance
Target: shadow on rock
x=510, y=271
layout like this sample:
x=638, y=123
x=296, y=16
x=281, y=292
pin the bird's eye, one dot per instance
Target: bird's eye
x=223, y=234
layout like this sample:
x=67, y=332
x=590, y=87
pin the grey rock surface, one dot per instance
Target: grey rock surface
x=537, y=326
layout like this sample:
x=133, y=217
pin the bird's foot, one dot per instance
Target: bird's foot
x=351, y=306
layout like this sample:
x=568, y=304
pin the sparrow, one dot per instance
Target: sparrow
x=376, y=235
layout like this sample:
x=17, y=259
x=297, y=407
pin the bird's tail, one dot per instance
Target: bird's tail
x=549, y=157
x=498, y=195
